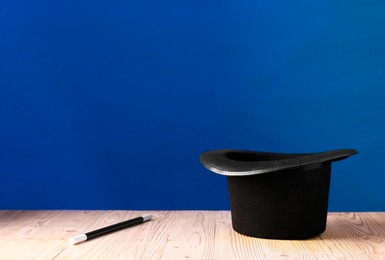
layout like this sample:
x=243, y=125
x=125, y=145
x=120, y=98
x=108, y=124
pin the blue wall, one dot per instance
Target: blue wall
x=108, y=104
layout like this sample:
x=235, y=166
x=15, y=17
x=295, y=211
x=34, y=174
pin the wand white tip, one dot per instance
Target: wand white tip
x=146, y=217
x=77, y=239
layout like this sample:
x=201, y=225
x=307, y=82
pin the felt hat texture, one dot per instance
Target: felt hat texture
x=276, y=195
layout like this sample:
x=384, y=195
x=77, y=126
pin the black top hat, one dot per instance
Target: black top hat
x=274, y=195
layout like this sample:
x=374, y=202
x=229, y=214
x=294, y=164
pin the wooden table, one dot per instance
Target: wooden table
x=180, y=235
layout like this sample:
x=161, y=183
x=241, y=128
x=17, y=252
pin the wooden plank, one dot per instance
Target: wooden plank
x=180, y=235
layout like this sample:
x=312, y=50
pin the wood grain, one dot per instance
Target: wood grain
x=180, y=235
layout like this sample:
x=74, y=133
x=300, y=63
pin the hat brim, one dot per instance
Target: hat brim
x=230, y=162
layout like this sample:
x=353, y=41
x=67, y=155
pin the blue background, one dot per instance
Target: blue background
x=108, y=104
